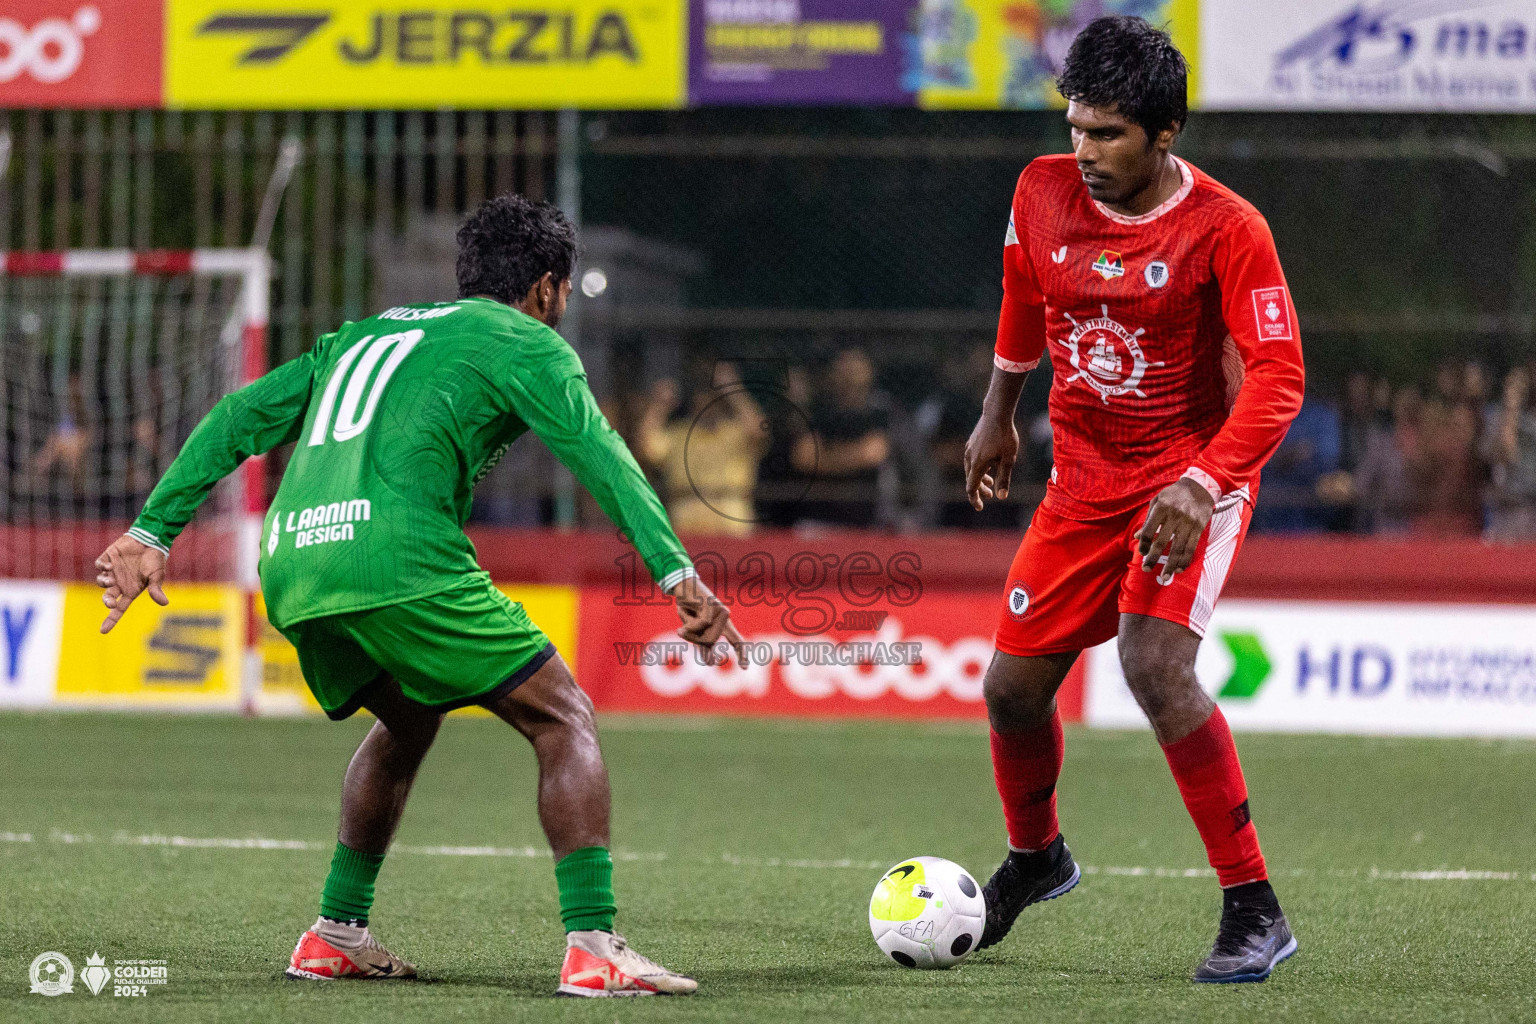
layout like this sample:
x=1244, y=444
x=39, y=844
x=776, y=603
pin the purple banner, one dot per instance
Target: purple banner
x=797, y=51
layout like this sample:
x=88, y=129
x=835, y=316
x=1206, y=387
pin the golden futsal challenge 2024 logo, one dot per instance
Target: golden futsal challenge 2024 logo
x=53, y=974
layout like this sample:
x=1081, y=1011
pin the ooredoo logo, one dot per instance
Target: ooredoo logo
x=50, y=50
x=81, y=53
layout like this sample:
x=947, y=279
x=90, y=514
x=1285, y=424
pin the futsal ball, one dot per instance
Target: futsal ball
x=927, y=913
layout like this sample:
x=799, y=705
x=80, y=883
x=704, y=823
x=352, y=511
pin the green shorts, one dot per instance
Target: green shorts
x=468, y=645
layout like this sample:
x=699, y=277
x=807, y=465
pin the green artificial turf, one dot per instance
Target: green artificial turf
x=735, y=840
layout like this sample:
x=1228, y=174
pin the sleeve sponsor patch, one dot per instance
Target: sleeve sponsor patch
x=1272, y=310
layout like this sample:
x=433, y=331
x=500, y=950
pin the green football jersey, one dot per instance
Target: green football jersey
x=396, y=418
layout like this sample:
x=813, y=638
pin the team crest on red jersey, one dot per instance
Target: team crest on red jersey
x=1106, y=356
x=1020, y=600
x=1109, y=265
x=1273, y=313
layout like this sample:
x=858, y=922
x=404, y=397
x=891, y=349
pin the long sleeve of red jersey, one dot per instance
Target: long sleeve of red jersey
x=1257, y=308
x=1021, y=324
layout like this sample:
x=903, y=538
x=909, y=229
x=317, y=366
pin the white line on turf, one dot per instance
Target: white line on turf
x=798, y=863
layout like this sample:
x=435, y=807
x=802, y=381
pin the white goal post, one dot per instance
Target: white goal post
x=108, y=358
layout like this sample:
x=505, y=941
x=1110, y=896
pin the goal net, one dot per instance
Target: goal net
x=108, y=359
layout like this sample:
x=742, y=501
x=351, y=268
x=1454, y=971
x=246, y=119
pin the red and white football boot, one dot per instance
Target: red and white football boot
x=602, y=964
x=335, y=949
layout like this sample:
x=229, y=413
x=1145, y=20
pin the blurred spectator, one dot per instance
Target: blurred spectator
x=708, y=459
x=1384, y=480
x=1363, y=412
x=62, y=455
x=780, y=485
x=946, y=420
x=1449, y=478
x=1509, y=447
x=848, y=446
x=1293, y=483
x=1360, y=415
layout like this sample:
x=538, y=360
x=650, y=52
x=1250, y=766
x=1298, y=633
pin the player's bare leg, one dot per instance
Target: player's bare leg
x=373, y=796
x=1026, y=760
x=1158, y=657
x=383, y=769
x=556, y=717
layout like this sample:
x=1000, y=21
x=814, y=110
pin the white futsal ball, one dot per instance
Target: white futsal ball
x=927, y=913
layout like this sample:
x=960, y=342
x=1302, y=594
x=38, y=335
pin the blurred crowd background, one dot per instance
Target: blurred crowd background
x=1452, y=457
x=788, y=313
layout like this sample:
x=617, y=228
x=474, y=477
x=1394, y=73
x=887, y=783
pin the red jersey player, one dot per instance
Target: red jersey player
x=1177, y=368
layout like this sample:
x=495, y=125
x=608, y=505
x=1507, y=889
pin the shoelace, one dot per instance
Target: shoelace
x=1020, y=883
x=1238, y=926
x=369, y=942
x=645, y=964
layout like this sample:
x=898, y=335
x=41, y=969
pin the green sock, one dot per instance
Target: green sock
x=348, y=894
x=585, y=879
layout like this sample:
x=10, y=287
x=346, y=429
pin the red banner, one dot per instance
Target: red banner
x=81, y=53
x=813, y=654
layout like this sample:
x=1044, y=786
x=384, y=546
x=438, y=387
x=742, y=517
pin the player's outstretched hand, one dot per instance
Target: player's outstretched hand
x=989, y=457
x=125, y=570
x=1175, y=521
x=706, y=619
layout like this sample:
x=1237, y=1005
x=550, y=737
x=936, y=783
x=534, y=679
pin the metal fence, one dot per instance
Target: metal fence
x=372, y=190
x=782, y=236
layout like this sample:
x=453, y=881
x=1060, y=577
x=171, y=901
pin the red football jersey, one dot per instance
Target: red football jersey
x=1172, y=336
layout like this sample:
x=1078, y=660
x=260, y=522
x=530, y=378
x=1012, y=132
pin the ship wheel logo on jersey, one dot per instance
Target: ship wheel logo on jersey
x=1106, y=356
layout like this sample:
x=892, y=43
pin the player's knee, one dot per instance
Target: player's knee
x=1015, y=702
x=412, y=737
x=1157, y=678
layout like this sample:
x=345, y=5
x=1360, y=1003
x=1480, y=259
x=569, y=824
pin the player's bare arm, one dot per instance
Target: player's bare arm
x=994, y=444
x=125, y=570
x=1175, y=521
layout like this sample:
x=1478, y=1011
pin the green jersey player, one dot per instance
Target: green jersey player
x=366, y=569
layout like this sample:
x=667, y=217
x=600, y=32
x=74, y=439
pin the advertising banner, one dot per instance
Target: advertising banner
x=797, y=51
x=1006, y=54
x=186, y=654
x=80, y=53
x=1452, y=670
x=926, y=661
x=31, y=624
x=425, y=54
x=849, y=643
x=1472, y=55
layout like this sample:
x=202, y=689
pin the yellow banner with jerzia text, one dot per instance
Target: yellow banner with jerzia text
x=284, y=54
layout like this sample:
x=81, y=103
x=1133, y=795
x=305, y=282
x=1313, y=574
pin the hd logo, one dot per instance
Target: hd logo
x=439, y=37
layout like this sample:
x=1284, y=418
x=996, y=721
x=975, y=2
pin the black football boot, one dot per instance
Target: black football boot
x=1022, y=879
x=1253, y=938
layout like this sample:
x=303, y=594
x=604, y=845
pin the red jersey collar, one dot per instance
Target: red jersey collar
x=1188, y=184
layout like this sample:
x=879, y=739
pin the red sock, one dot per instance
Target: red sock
x=1026, y=766
x=1210, y=779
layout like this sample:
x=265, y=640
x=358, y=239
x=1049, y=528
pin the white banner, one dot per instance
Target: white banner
x=31, y=629
x=1294, y=666
x=1472, y=55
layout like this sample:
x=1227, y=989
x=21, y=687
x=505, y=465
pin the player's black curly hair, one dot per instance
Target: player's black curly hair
x=1122, y=62
x=509, y=243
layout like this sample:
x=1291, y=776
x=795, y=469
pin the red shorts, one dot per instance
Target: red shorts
x=1071, y=581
